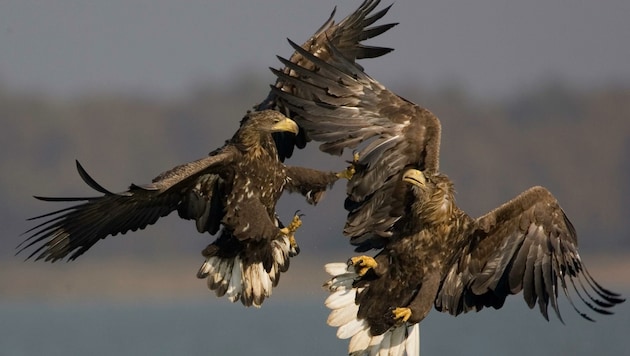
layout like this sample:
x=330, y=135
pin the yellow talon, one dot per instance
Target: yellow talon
x=292, y=227
x=349, y=172
x=362, y=264
x=295, y=224
x=289, y=232
x=402, y=314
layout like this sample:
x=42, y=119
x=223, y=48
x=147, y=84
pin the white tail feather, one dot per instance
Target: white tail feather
x=336, y=268
x=235, y=287
x=412, y=344
x=341, y=282
x=375, y=344
x=204, y=270
x=250, y=284
x=340, y=299
x=383, y=348
x=352, y=328
x=339, y=317
x=396, y=347
x=256, y=285
x=397, y=341
x=360, y=340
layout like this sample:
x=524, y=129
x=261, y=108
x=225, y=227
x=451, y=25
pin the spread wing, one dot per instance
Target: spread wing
x=190, y=188
x=341, y=106
x=529, y=245
x=347, y=36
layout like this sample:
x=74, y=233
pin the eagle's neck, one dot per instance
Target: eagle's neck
x=434, y=208
x=255, y=144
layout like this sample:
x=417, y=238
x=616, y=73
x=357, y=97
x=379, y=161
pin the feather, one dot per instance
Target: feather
x=360, y=341
x=412, y=343
x=235, y=288
x=352, y=328
x=397, y=342
x=342, y=316
x=340, y=299
x=336, y=268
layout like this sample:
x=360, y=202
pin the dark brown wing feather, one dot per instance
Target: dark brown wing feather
x=346, y=36
x=529, y=245
x=340, y=105
x=71, y=231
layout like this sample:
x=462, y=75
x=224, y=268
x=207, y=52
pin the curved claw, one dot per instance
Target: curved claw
x=402, y=314
x=295, y=224
x=362, y=264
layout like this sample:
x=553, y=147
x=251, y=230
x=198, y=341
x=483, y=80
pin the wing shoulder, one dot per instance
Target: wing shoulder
x=214, y=163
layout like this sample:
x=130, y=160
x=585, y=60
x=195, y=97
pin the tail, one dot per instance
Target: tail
x=397, y=341
x=232, y=270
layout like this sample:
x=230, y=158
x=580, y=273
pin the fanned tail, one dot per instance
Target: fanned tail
x=399, y=340
x=239, y=279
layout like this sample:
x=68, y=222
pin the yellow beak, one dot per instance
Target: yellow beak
x=415, y=177
x=286, y=125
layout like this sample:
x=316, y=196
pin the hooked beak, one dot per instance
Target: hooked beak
x=414, y=177
x=286, y=125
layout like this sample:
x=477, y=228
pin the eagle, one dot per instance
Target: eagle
x=236, y=186
x=232, y=192
x=430, y=254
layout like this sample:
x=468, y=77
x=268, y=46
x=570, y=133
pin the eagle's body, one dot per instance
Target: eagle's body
x=458, y=263
x=411, y=265
x=430, y=254
x=236, y=187
x=439, y=257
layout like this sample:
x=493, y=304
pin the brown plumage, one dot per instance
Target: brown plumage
x=432, y=254
x=236, y=188
x=347, y=37
x=457, y=263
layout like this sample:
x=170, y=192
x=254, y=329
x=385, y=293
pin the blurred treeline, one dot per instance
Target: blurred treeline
x=576, y=142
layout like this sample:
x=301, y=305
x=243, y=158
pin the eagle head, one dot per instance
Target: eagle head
x=432, y=196
x=254, y=135
x=270, y=121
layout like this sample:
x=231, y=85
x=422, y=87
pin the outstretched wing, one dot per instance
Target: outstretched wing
x=529, y=245
x=71, y=231
x=341, y=106
x=347, y=36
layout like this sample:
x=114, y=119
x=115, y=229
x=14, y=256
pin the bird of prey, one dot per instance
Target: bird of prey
x=430, y=253
x=236, y=186
x=232, y=192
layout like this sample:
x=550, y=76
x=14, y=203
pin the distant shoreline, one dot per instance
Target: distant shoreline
x=128, y=279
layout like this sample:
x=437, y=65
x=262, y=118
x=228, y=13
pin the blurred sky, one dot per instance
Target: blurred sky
x=493, y=47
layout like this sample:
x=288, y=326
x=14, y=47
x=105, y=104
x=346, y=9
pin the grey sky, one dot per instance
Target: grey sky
x=66, y=47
